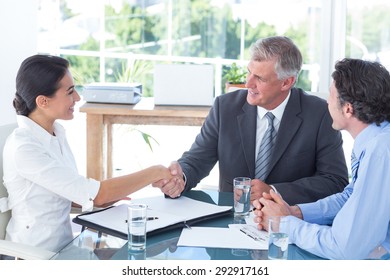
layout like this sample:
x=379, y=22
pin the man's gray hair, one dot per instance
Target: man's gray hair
x=287, y=55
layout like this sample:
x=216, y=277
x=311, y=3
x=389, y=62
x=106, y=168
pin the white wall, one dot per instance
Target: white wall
x=18, y=31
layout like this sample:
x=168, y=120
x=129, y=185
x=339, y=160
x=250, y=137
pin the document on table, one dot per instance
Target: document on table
x=167, y=212
x=212, y=237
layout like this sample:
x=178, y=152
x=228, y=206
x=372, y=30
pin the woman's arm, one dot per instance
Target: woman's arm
x=114, y=189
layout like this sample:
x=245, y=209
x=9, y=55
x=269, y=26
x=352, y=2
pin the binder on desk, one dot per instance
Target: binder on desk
x=170, y=213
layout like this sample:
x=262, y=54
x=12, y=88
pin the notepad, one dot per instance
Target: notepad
x=171, y=213
x=212, y=237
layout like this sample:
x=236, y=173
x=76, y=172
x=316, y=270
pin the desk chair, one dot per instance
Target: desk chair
x=9, y=248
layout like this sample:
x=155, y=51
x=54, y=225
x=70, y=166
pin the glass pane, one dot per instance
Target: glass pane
x=299, y=20
x=115, y=70
x=49, y=17
x=131, y=71
x=84, y=69
x=69, y=25
x=205, y=29
x=136, y=28
x=368, y=32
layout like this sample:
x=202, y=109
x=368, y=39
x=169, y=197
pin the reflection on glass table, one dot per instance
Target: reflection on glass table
x=94, y=245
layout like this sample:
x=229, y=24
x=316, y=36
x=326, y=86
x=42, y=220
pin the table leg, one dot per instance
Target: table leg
x=96, y=142
x=109, y=150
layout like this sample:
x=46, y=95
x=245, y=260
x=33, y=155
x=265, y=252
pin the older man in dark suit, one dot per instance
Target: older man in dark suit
x=275, y=134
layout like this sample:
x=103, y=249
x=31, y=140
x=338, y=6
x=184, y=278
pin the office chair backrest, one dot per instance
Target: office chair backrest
x=5, y=131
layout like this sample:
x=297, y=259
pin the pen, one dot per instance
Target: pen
x=257, y=238
x=187, y=226
x=148, y=219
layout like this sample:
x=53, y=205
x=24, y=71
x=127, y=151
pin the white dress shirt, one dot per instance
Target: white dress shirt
x=262, y=122
x=42, y=181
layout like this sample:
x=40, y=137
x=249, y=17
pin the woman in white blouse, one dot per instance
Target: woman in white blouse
x=40, y=172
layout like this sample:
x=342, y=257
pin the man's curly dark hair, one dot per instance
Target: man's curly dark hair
x=366, y=86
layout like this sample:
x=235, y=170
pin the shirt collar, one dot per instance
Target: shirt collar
x=38, y=131
x=277, y=112
x=365, y=135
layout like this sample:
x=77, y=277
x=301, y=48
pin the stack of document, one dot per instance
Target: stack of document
x=163, y=213
x=122, y=93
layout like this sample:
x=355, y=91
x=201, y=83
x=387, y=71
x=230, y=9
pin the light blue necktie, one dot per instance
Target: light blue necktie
x=265, y=151
x=354, y=166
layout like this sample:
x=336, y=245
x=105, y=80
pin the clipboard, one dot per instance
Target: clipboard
x=171, y=213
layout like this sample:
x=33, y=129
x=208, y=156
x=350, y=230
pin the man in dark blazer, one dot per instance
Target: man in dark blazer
x=307, y=160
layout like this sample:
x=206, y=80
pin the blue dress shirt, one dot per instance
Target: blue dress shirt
x=354, y=223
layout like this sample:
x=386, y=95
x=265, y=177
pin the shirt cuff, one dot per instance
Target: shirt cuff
x=273, y=188
x=309, y=213
x=94, y=187
x=4, y=204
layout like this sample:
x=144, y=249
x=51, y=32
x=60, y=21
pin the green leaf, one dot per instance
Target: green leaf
x=147, y=138
x=235, y=75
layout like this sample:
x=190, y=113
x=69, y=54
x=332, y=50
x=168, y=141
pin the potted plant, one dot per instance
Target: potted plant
x=235, y=77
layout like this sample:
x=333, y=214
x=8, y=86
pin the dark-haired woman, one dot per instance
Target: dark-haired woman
x=40, y=172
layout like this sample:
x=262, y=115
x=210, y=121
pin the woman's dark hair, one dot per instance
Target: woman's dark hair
x=37, y=75
x=366, y=86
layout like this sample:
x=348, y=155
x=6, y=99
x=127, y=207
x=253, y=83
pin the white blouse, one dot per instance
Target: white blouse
x=42, y=181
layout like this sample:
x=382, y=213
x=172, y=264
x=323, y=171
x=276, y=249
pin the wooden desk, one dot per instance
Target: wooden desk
x=101, y=117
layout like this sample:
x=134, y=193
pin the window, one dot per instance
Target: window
x=368, y=32
x=115, y=40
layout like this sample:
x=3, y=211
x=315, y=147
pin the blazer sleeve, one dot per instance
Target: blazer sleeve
x=198, y=162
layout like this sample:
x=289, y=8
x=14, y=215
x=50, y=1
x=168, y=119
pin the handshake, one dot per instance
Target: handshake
x=173, y=183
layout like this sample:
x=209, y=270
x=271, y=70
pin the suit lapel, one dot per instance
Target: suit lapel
x=247, y=129
x=289, y=126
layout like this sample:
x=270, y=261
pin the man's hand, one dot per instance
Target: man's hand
x=270, y=204
x=175, y=186
x=258, y=188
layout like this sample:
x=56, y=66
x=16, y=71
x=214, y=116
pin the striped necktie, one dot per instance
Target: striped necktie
x=354, y=166
x=267, y=143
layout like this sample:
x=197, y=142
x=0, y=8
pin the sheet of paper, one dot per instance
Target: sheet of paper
x=251, y=231
x=250, y=219
x=183, y=206
x=211, y=237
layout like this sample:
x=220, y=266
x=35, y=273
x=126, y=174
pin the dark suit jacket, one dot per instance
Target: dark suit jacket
x=308, y=161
